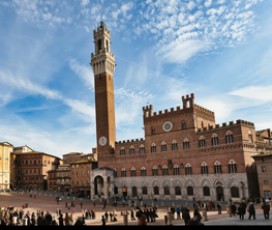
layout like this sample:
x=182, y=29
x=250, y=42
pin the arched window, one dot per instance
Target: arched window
x=250, y=137
x=201, y=142
x=131, y=150
x=152, y=131
x=133, y=172
x=134, y=191
x=188, y=169
x=156, y=190
x=143, y=171
x=153, y=148
x=204, y=168
x=190, y=191
x=142, y=149
x=174, y=145
x=232, y=166
x=144, y=190
x=214, y=140
x=217, y=168
x=155, y=171
x=166, y=190
x=123, y=172
x=122, y=151
x=178, y=191
x=206, y=191
x=183, y=125
x=163, y=147
x=186, y=144
x=176, y=170
x=229, y=137
x=165, y=170
x=234, y=192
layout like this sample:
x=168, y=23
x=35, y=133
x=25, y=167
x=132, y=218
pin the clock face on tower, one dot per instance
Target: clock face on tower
x=102, y=141
x=167, y=126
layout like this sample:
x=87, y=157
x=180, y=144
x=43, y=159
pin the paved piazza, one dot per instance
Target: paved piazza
x=48, y=203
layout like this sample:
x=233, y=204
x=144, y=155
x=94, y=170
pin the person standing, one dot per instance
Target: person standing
x=251, y=211
x=266, y=209
x=186, y=215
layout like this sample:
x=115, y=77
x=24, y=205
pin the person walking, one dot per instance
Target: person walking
x=186, y=215
x=241, y=211
x=266, y=209
x=251, y=211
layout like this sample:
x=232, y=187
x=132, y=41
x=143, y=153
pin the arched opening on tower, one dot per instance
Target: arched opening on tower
x=99, y=186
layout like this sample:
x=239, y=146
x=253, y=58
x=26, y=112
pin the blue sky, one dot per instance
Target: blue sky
x=220, y=50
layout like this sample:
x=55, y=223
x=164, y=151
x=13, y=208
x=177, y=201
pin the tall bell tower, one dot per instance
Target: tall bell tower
x=103, y=65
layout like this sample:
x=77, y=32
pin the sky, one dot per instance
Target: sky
x=220, y=50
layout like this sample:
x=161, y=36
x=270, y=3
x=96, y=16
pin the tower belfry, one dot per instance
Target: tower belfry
x=103, y=65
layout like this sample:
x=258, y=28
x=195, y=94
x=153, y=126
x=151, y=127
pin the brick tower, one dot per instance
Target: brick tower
x=103, y=65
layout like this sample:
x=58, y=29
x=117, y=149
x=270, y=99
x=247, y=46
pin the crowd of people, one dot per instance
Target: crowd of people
x=142, y=214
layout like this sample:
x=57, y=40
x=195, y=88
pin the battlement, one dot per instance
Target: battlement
x=188, y=101
x=101, y=27
x=203, y=109
x=129, y=141
x=230, y=124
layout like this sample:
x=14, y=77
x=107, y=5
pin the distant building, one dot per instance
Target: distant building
x=30, y=168
x=59, y=180
x=5, y=173
x=264, y=162
x=184, y=154
x=264, y=169
x=81, y=175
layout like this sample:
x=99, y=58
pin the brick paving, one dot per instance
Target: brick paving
x=48, y=203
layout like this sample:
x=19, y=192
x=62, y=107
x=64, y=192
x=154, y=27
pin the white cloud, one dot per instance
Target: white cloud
x=84, y=72
x=129, y=105
x=23, y=84
x=84, y=2
x=260, y=93
x=180, y=52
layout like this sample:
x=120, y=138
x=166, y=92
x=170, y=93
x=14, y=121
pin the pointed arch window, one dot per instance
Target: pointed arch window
x=122, y=151
x=144, y=190
x=204, y=168
x=165, y=170
x=142, y=149
x=229, y=137
x=188, y=169
x=143, y=171
x=163, y=147
x=215, y=140
x=232, y=166
x=206, y=191
x=174, y=145
x=201, y=142
x=176, y=170
x=183, y=125
x=155, y=171
x=177, y=190
x=156, y=190
x=190, y=191
x=217, y=168
x=153, y=148
x=186, y=144
x=166, y=190
x=132, y=150
x=123, y=172
x=133, y=172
